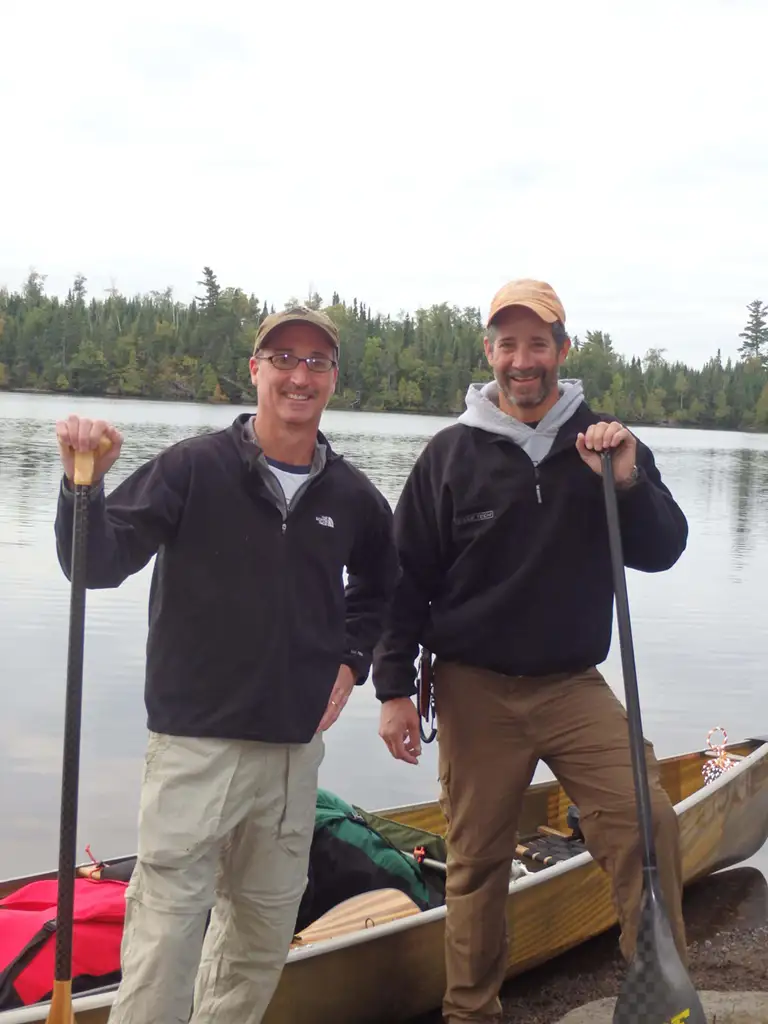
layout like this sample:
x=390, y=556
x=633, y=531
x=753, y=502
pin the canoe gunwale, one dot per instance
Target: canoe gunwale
x=35, y=1013
x=761, y=745
x=11, y=884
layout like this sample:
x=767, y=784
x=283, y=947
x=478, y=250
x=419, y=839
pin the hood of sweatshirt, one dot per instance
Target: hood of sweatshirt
x=482, y=401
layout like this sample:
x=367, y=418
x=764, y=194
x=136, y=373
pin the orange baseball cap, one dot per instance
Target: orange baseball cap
x=537, y=296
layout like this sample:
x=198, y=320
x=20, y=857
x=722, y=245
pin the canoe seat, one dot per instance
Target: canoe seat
x=367, y=910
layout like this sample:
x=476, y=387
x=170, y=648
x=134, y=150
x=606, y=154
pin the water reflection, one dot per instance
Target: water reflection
x=386, y=464
x=750, y=482
x=700, y=632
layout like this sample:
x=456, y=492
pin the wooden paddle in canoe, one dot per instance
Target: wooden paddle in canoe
x=368, y=910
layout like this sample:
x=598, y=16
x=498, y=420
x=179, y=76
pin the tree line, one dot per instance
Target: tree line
x=154, y=346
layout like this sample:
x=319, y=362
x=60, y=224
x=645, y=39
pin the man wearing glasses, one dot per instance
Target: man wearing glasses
x=254, y=647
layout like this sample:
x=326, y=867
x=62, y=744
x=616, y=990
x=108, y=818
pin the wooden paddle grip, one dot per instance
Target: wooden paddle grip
x=84, y=462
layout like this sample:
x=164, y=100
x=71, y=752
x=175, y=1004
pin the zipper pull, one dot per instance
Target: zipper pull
x=538, y=493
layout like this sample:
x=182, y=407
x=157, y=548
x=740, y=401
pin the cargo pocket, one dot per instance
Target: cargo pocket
x=156, y=744
x=444, y=799
x=297, y=822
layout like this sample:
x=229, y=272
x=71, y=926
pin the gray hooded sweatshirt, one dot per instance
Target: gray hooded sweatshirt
x=483, y=411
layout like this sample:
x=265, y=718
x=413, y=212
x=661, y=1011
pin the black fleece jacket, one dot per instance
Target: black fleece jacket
x=249, y=619
x=505, y=565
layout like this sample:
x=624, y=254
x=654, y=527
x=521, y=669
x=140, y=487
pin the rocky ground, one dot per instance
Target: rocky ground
x=727, y=921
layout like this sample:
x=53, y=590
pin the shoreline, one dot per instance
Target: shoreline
x=659, y=424
x=726, y=918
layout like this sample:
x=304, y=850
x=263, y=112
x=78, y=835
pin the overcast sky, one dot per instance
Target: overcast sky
x=402, y=153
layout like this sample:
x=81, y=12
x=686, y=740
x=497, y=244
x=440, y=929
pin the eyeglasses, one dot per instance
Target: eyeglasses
x=288, y=361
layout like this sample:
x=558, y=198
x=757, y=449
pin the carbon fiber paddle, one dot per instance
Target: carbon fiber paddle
x=61, y=1002
x=657, y=988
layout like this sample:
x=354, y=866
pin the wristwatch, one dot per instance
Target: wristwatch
x=634, y=476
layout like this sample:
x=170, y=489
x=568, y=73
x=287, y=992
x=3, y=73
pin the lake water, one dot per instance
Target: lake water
x=700, y=630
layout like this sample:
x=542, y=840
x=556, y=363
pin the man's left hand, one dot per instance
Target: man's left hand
x=609, y=435
x=342, y=688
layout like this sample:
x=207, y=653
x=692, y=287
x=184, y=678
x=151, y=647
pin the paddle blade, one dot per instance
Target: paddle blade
x=61, y=1011
x=657, y=988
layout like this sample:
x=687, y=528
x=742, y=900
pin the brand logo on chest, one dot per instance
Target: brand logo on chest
x=325, y=521
x=475, y=517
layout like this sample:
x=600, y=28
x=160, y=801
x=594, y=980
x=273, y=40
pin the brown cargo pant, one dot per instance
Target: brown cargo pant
x=492, y=731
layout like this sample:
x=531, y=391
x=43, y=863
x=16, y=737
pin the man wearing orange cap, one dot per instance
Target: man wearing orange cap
x=506, y=578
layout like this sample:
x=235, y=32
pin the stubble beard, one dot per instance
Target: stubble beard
x=548, y=381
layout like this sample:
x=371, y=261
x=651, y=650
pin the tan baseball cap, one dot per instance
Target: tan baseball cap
x=300, y=313
x=536, y=295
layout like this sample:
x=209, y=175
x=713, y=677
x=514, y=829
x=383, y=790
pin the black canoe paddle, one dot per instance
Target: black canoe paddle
x=61, y=1003
x=657, y=988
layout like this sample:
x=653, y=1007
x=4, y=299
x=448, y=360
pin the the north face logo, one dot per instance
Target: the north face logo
x=325, y=521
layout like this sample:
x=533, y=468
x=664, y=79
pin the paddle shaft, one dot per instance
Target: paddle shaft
x=61, y=1008
x=636, y=741
x=657, y=988
x=70, y=772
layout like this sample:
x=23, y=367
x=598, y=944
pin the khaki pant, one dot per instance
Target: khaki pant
x=492, y=730
x=224, y=824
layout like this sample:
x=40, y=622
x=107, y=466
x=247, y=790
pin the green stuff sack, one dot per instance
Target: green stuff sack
x=349, y=857
x=405, y=837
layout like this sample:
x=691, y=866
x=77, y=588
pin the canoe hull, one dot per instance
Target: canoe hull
x=395, y=971
x=547, y=914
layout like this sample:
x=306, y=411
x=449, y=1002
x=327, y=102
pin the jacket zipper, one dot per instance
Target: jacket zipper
x=285, y=511
x=536, y=475
x=280, y=502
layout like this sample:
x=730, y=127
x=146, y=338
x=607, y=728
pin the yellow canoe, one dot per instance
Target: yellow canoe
x=377, y=959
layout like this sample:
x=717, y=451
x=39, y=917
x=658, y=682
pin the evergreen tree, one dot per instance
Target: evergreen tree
x=755, y=334
x=154, y=346
x=210, y=300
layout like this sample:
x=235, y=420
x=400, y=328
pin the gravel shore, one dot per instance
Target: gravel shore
x=727, y=921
